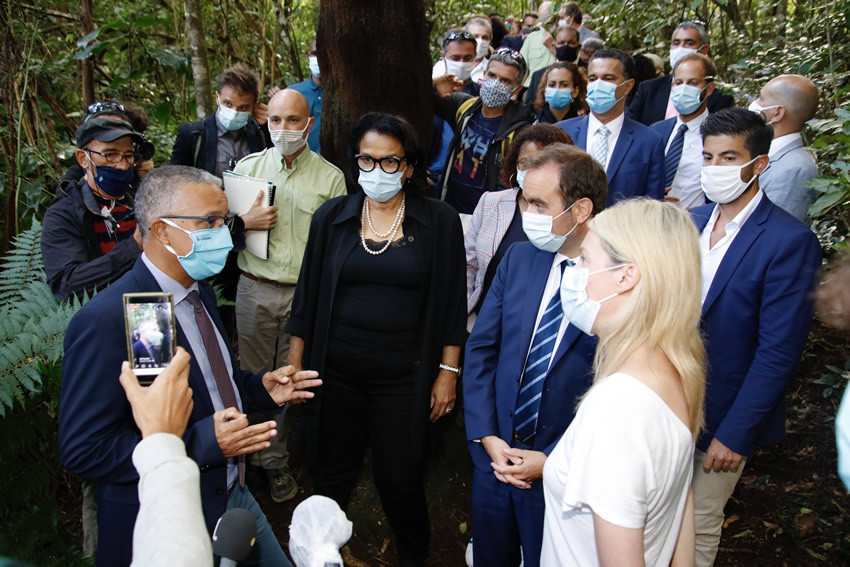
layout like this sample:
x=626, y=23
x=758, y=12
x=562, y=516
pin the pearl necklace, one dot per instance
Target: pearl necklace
x=365, y=218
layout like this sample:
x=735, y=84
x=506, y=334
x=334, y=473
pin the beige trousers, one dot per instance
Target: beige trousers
x=711, y=492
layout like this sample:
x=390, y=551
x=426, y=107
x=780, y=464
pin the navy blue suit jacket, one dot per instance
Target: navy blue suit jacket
x=636, y=167
x=188, y=136
x=97, y=434
x=755, y=320
x=650, y=102
x=664, y=128
x=496, y=352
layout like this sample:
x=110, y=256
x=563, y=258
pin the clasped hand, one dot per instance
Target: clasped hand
x=517, y=467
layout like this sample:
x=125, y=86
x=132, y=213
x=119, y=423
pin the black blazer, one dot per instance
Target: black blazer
x=650, y=103
x=186, y=144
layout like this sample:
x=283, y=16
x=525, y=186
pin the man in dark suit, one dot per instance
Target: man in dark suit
x=652, y=102
x=97, y=434
x=237, y=127
x=147, y=348
x=526, y=366
x=529, y=20
x=759, y=269
x=631, y=154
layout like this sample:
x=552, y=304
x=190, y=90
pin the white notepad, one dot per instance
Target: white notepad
x=241, y=192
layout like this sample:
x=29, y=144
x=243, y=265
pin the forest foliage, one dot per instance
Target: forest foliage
x=57, y=53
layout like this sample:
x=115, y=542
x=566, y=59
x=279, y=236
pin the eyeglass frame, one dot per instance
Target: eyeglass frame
x=226, y=220
x=458, y=35
x=131, y=161
x=517, y=58
x=380, y=162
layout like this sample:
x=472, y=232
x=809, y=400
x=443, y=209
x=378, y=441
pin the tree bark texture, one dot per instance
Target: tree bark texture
x=781, y=19
x=374, y=57
x=86, y=65
x=283, y=12
x=200, y=63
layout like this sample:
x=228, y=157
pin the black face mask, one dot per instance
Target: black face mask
x=566, y=53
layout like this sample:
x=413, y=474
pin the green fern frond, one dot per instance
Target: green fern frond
x=22, y=265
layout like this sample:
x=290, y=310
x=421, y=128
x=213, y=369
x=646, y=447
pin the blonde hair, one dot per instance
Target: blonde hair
x=663, y=309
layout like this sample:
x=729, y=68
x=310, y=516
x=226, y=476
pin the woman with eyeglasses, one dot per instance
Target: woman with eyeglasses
x=379, y=312
x=617, y=484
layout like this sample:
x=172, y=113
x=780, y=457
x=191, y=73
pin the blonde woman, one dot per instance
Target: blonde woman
x=617, y=484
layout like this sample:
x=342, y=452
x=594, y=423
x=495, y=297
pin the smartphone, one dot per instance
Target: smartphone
x=150, y=326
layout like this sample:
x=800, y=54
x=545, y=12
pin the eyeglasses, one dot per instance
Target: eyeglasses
x=456, y=35
x=389, y=164
x=213, y=221
x=115, y=157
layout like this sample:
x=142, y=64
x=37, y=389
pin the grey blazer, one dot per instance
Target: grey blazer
x=783, y=180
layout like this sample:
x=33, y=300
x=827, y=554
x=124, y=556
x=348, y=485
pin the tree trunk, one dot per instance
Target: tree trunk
x=283, y=11
x=781, y=18
x=200, y=65
x=730, y=7
x=86, y=65
x=374, y=57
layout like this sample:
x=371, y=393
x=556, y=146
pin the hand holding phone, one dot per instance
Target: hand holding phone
x=149, y=322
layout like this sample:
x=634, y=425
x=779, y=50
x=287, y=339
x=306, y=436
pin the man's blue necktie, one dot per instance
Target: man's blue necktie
x=537, y=366
x=674, y=154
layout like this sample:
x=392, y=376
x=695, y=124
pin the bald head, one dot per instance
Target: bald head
x=288, y=102
x=797, y=94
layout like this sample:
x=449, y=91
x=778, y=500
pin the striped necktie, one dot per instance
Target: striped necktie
x=674, y=155
x=600, y=147
x=537, y=367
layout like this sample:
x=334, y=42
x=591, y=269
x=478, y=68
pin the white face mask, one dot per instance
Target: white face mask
x=155, y=338
x=538, y=229
x=379, y=185
x=759, y=109
x=677, y=53
x=460, y=69
x=722, y=183
x=580, y=310
x=483, y=48
x=313, y=63
x=288, y=142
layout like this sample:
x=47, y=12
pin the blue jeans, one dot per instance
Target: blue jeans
x=267, y=551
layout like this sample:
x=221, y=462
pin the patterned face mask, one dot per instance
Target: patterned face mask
x=494, y=93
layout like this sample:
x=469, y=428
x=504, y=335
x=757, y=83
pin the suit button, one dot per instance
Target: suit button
x=510, y=414
x=220, y=491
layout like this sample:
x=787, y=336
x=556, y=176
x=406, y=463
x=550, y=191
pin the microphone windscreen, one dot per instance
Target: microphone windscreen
x=234, y=534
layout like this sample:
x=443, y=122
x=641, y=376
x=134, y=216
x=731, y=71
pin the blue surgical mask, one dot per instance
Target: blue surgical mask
x=208, y=255
x=231, y=119
x=559, y=99
x=114, y=182
x=538, y=230
x=580, y=310
x=602, y=96
x=520, y=177
x=686, y=98
x=379, y=185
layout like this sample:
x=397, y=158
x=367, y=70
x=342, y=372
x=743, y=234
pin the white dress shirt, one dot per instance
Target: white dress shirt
x=778, y=143
x=614, y=128
x=713, y=256
x=686, y=185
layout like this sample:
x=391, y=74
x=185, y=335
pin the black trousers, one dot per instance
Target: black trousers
x=361, y=408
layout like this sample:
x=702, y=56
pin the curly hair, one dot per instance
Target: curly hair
x=542, y=135
x=578, y=81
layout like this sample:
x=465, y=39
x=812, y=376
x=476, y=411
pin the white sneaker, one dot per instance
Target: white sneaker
x=469, y=553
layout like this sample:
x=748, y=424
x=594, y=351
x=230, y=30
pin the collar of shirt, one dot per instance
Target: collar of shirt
x=782, y=141
x=614, y=128
x=734, y=225
x=167, y=283
x=301, y=161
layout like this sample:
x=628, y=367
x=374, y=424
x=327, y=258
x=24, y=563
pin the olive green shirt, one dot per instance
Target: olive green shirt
x=299, y=192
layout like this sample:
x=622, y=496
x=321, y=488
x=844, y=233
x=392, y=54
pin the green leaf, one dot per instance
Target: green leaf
x=462, y=527
x=148, y=21
x=827, y=201
x=89, y=38
x=162, y=112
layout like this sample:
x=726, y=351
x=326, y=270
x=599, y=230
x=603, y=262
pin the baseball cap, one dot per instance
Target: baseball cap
x=106, y=130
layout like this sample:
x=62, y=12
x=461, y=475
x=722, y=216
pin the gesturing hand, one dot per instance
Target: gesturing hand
x=285, y=383
x=235, y=437
x=164, y=406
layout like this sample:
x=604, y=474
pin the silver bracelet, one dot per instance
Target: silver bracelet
x=454, y=369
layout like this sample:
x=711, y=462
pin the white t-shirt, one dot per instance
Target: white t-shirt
x=626, y=457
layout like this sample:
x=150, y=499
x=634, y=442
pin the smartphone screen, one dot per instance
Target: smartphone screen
x=150, y=328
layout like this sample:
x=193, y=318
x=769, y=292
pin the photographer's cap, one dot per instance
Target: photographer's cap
x=106, y=130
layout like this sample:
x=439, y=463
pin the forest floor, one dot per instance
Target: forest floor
x=789, y=508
